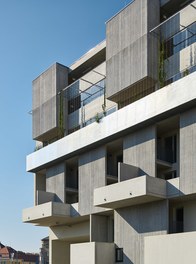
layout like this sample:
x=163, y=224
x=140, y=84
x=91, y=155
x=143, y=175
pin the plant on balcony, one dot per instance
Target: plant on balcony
x=97, y=118
x=38, y=147
x=104, y=103
x=162, y=73
x=186, y=72
x=61, y=116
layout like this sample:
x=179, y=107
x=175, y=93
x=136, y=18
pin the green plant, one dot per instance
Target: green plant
x=104, y=103
x=104, y=109
x=162, y=74
x=61, y=116
x=186, y=72
x=97, y=118
x=38, y=147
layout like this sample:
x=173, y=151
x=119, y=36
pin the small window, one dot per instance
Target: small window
x=119, y=254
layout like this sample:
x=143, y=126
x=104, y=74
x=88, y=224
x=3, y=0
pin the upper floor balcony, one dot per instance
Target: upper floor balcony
x=171, y=98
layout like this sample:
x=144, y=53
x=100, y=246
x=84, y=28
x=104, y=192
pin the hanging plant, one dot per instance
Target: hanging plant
x=61, y=116
x=162, y=74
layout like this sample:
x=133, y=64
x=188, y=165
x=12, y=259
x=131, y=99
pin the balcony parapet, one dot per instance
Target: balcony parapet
x=44, y=197
x=46, y=214
x=130, y=192
x=93, y=252
x=180, y=94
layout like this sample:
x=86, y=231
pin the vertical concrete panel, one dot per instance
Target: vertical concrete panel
x=59, y=252
x=132, y=224
x=187, y=152
x=83, y=253
x=45, y=100
x=39, y=185
x=98, y=228
x=92, y=174
x=55, y=181
x=190, y=216
x=130, y=51
x=105, y=253
x=139, y=149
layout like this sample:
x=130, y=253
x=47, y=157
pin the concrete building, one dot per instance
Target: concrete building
x=115, y=159
x=44, y=251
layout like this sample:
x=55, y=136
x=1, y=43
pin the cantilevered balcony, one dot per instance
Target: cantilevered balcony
x=47, y=214
x=131, y=192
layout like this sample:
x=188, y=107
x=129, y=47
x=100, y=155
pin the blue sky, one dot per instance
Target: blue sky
x=33, y=35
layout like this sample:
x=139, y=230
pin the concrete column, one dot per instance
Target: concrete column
x=92, y=174
x=139, y=149
x=39, y=184
x=55, y=181
x=187, y=151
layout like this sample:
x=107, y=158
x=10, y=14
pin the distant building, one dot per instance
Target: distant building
x=44, y=251
x=8, y=255
x=1, y=245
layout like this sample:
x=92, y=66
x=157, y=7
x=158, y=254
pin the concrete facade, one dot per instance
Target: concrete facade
x=114, y=179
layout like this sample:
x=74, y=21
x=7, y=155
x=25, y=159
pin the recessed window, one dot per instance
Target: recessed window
x=119, y=254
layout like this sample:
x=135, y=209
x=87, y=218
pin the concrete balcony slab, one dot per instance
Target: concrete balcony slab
x=170, y=99
x=131, y=192
x=47, y=214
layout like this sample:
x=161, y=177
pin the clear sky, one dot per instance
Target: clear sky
x=33, y=35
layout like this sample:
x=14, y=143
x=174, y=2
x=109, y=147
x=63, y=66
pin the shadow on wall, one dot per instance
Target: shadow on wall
x=136, y=222
x=92, y=155
x=139, y=138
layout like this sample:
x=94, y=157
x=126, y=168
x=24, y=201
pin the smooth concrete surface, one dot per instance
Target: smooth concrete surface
x=133, y=224
x=131, y=192
x=72, y=232
x=45, y=100
x=127, y=171
x=59, y=252
x=187, y=151
x=39, y=185
x=173, y=188
x=46, y=214
x=171, y=97
x=55, y=181
x=92, y=253
x=129, y=46
x=136, y=149
x=170, y=249
x=92, y=52
x=98, y=228
x=92, y=174
x=45, y=197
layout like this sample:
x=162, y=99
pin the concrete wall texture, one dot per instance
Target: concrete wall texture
x=175, y=248
x=187, y=151
x=45, y=100
x=55, y=181
x=127, y=42
x=132, y=224
x=137, y=147
x=92, y=174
